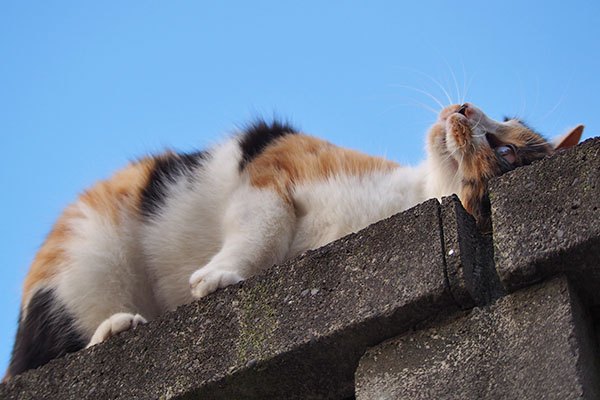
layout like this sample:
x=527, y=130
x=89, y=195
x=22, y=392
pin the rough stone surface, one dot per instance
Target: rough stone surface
x=298, y=331
x=469, y=257
x=546, y=220
x=537, y=343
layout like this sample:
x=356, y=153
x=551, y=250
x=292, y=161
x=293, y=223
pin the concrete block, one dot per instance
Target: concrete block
x=469, y=257
x=546, y=220
x=298, y=331
x=537, y=343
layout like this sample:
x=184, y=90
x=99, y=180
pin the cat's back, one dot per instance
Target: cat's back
x=132, y=242
x=166, y=211
x=156, y=198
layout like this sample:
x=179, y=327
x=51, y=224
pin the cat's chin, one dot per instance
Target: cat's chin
x=448, y=136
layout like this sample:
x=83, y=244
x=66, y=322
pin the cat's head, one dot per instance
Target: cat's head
x=472, y=148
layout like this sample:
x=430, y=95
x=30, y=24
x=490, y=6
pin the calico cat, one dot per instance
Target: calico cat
x=175, y=227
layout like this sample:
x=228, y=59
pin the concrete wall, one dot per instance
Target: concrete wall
x=416, y=306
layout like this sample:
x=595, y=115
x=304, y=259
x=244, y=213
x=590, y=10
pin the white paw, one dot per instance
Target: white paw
x=116, y=323
x=205, y=281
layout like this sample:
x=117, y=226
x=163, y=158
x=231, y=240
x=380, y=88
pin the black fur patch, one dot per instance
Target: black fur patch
x=258, y=136
x=47, y=332
x=167, y=169
x=520, y=121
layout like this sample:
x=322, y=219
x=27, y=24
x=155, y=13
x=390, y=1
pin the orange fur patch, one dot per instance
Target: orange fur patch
x=295, y=159
x=120, y=193
x=521, y=136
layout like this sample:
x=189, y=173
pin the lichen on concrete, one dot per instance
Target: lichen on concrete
x=258, y=321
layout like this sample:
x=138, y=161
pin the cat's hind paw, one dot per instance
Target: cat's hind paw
x=205, y=281
x=116, y=323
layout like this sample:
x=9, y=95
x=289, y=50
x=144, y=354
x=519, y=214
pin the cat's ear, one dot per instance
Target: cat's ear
x=570, y=139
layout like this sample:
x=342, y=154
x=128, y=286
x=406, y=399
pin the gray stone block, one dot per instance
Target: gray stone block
x=298, y=331
x=546, y=220
x=537, y=343
x=469, y=257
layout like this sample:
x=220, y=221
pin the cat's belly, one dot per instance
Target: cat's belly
x=329, y=210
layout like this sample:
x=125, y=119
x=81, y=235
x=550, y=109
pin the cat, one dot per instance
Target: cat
x=172, y=228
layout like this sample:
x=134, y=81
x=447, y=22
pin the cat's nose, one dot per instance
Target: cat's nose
x=464, y=110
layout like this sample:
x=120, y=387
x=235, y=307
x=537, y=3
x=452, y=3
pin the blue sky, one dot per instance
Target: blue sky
x=86, y=86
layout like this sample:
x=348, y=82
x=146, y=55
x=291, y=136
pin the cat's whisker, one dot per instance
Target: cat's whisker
x=464, y=95
x=537, y=97
x=457, y=170
x=439, y=85
x=425, y=106
x=560, y=100
x=521, y=112
x=453, y=78
x=426, y=93
x=477, y=124
x=411, y=103
x=442, y=160
x=531, y=144
x=468, y=86
x=451, y=155
x=462, y=98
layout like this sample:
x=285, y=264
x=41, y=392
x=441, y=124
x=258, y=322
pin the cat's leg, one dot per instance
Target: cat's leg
x=258, y=227
x=104, y=283
x=116, y=323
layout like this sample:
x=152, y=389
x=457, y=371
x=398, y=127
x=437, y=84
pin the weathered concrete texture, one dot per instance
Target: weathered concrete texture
x=298, y=331
x=534, y=344
x=546, y=219
x=469, y=256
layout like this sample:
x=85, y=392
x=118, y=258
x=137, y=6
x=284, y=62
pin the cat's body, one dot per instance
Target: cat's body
x=171, y=228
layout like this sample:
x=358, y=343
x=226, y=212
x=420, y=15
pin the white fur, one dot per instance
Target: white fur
x=344, y=204
x=106, y=272
x=215, y=230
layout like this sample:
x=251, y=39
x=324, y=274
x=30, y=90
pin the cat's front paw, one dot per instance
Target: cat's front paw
x=206, y=280
x=459, y=130
x=116, y=323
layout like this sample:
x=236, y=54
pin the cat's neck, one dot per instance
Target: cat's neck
x=440, y=176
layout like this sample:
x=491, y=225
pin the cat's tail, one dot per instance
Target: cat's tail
x=46, y=331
